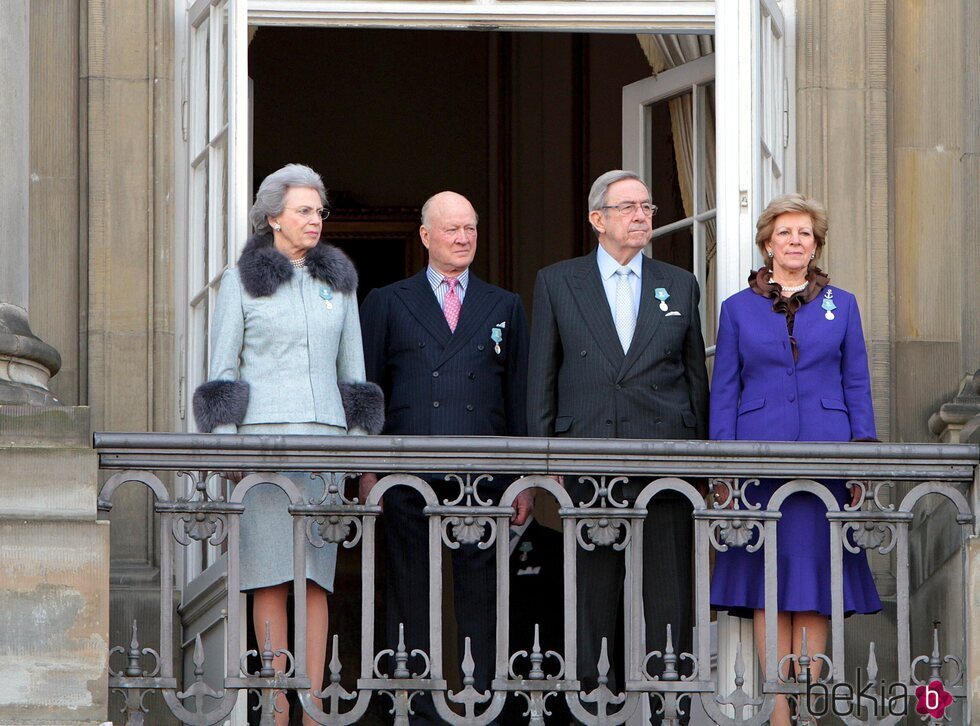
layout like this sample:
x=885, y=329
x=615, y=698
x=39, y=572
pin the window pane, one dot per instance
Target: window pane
x=222, y=81
x=709, y=290
x=197, y=220
x=671, y=157
x=676, y=248
x=218, y=210
x=199, y=77
x=197, y=342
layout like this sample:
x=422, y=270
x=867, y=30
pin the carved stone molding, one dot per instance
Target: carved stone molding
x=958, y=421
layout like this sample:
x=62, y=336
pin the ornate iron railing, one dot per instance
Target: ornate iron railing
x=948, y=471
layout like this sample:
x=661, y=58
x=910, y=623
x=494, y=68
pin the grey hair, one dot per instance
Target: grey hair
x=269, y=199
x=600, y=189
x=427, y=209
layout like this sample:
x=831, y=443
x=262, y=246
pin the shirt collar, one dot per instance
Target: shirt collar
x=435, y=277
x=608, y=266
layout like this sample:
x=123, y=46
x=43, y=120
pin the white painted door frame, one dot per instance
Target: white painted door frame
x=740, y=84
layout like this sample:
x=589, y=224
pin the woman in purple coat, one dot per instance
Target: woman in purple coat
x=791, y=365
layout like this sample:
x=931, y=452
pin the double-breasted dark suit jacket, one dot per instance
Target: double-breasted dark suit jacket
x=442, y=383
x=581, y=383
x=437, y=382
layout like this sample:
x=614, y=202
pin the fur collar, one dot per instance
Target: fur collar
x=263, y=268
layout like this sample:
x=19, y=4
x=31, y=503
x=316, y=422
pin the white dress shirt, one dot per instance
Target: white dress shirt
x=607, y=272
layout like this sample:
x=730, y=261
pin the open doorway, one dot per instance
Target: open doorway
x=521, y=123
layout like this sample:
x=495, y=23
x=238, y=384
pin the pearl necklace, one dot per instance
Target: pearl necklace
x=791, y=290
x=301, y=262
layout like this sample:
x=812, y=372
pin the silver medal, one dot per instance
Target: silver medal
x=829, y=315
x=663, y=305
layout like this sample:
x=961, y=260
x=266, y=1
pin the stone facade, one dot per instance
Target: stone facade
x=888, y=109
x=54, y=572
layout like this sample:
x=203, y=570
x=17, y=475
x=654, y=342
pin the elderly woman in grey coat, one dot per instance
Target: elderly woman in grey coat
x=286, y=358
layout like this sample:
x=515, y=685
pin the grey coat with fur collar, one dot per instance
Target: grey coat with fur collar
x=286, y=345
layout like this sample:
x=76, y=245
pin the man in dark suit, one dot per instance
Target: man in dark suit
x=450, y=353
x=617, y=352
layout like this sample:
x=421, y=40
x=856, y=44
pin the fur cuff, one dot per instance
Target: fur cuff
x=220, y=402
x=364, y=406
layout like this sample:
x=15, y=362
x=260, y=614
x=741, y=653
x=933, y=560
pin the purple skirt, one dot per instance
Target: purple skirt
x=803, y=562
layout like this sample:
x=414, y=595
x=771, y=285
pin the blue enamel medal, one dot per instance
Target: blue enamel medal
x=828, y=304
x=662, y=295
x=497, y=336
x=326, y=294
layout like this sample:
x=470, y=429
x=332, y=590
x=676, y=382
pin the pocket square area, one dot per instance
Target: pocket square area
x=672, y=312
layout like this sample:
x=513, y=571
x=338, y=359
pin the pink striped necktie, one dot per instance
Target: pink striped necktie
x=451, y=305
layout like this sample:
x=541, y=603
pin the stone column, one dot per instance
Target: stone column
x=26, y=362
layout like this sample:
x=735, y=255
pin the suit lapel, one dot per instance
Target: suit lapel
x=649, y=317
x=478, y=303
x=590, y=297
x=416, y=293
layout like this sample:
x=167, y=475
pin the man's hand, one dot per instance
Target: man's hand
x=522, y=507
x=365, y=485
x=857, y=495
x=721, y=493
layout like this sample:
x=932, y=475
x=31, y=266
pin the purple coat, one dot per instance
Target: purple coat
x=759, y=393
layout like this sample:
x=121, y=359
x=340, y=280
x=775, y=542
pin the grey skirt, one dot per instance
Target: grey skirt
x=266, y=547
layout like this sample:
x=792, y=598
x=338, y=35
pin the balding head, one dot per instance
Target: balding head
x=448, y=232
x=445, y=200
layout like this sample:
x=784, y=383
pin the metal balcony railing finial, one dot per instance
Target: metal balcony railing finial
x=401, y=655
x=537, y=658
x=199, y=689
x=334, y=693
x=268, y=669
x=133, y=670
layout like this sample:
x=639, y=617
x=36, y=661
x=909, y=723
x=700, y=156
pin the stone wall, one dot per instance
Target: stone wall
x=101, y=243
x=54, y=573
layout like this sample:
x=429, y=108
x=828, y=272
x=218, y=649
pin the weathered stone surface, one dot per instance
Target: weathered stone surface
x=14, y=109
x=927, y=57
x=57, y=303
x=47, y=426
x=929, y=373
x=54, y=619
x=54, y=570
x=48, y=484
x=958, y=420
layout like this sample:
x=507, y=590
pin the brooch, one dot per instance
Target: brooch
x=326, y=294
x=662, y=295
x=828, y=304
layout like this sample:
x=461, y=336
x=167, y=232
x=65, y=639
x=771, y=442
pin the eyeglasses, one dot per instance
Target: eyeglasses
x=628, y=209
x=310, y=212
